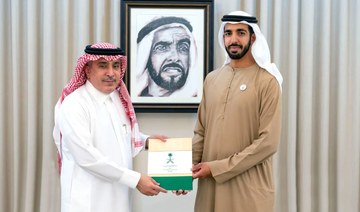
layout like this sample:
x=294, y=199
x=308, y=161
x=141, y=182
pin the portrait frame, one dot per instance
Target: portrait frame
x=135, y=15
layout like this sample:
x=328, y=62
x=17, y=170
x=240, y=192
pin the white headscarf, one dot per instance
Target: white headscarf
x=143, y=52
x=259, y=50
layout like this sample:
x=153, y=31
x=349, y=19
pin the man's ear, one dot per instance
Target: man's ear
x=253, y=38
x=87, y=70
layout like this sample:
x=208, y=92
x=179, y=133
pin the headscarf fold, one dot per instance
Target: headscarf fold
x=260, y=49
x=79, y=79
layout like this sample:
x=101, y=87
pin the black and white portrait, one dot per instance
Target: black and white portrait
x=167, y=57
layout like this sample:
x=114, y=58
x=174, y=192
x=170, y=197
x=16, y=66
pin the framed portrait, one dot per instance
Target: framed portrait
x=169, y=46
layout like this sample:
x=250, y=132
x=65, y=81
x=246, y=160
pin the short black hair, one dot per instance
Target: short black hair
x=251, y=30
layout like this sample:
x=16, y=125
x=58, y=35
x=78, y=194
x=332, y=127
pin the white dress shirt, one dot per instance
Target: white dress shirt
x=97, y=152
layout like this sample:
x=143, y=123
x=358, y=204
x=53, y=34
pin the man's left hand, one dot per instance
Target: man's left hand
x=156, y=136
x=201, y=170
x=160, y=137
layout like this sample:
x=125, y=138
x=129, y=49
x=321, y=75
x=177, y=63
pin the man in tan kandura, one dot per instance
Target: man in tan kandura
x=239, y=123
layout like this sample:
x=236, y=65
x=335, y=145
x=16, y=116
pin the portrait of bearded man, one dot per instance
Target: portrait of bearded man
x=166, y=58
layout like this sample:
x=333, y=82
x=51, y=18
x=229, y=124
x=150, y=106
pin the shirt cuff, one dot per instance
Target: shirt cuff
x=144, y=136
x=130, y=178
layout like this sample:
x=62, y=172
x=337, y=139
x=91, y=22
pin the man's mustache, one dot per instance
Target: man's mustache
x=238, y=45
x=172, y=65
x=109, y=79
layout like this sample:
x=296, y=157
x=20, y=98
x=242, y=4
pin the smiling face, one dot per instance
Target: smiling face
x=237, y=40
x=104, y=75
x=169, y=61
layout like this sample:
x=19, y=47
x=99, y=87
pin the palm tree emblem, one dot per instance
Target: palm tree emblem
x=170, y=159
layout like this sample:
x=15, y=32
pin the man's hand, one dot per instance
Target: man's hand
x=149, y=186
x=201, y=170
x=160, y=137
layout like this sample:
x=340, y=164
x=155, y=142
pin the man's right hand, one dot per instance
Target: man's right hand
x=149, y=186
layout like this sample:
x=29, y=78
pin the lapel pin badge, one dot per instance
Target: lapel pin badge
x=242, y=87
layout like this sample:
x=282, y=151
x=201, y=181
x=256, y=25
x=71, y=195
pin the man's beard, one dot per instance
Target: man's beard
x=170, y=85
x=237, y=56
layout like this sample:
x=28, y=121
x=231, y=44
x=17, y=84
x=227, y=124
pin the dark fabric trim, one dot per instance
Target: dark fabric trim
x=99, y=51
x=238, y=18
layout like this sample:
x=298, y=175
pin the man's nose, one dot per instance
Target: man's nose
x=174, y=54
x=234, y=39
x=110, y=71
